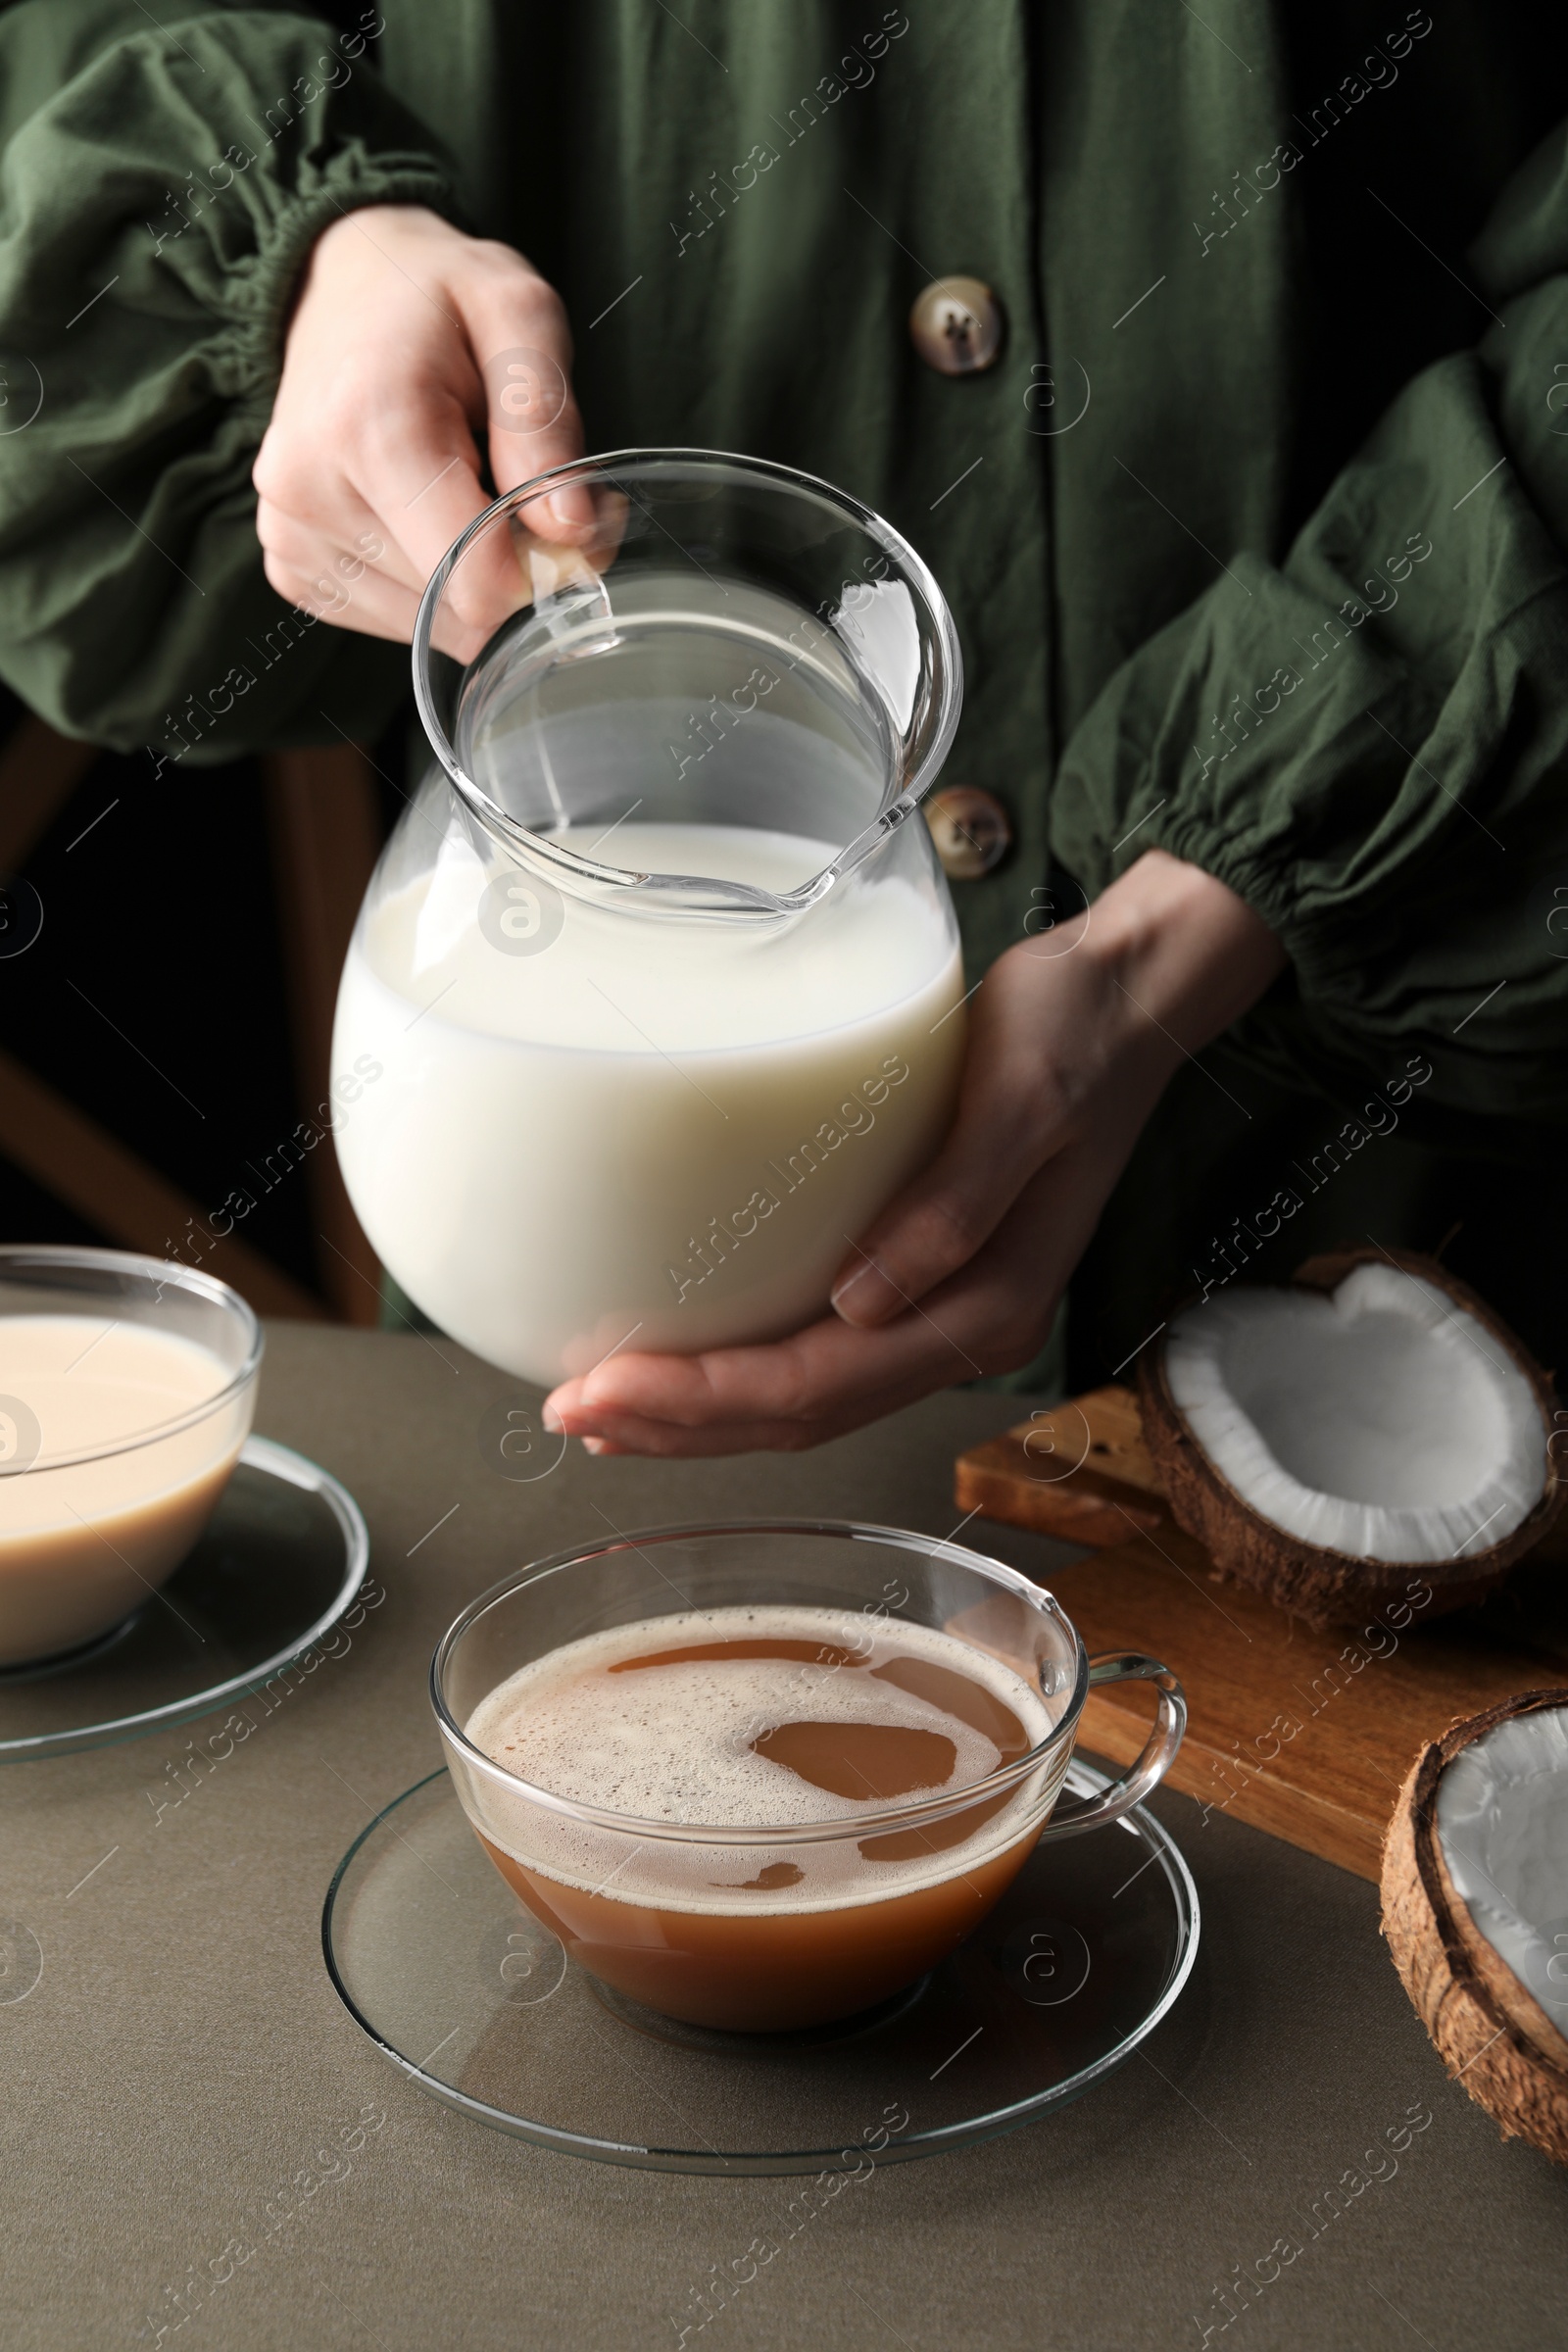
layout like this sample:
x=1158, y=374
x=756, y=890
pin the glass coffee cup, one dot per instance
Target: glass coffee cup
x=767, y=1925
x=130, y=1387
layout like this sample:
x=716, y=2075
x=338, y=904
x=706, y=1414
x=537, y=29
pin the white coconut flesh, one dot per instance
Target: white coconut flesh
x=1380, y=1419
x=1501, y=1818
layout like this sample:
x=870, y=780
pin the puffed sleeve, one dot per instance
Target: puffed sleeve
x=1370, y=746
x=161, y=184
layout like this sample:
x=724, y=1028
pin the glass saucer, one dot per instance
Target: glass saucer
x=473, y=1997
x=279, y=1563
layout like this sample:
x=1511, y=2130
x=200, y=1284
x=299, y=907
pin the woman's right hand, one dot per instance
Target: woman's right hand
x=411, y=346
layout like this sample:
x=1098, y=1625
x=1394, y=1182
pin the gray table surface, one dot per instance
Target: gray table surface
x=184, y=2053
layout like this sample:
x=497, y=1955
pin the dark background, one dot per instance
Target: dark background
x=154, y=999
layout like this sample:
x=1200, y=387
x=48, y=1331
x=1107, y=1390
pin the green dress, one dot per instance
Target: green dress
x=1255, y=533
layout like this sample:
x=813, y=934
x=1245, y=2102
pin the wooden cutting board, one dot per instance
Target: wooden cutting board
x=1306, y=1734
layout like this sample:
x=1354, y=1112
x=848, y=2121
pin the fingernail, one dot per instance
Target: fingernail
x=572, y=506
x=552, y=1421
x=593, y=1444
x=864, y=1296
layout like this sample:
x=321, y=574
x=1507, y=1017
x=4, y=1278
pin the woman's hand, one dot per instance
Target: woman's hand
x=1073, y=1038
x=408, y=340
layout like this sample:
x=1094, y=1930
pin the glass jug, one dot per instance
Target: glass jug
x=654, y=999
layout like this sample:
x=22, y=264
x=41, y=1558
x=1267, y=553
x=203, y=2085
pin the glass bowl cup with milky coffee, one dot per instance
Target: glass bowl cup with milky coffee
x=764, y=1775
x=128, y=1385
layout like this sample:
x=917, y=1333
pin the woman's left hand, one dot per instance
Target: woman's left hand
x=1073, y=1038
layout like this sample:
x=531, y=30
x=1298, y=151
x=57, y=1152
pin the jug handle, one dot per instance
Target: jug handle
x=569, y=588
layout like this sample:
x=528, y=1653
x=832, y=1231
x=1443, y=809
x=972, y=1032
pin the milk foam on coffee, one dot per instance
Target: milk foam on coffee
x=615, y=1721
x=647, y=1128
x=81, y=1542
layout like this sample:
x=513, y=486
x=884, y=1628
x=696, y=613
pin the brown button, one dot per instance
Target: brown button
x=956, y=326
x=971, y=830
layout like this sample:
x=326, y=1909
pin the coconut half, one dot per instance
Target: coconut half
x=1373, y=1417
x=1475, y=1908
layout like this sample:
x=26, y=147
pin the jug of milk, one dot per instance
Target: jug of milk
x=658, y=982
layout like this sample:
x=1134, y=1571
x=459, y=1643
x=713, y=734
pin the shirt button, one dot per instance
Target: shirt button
x=956, y=326
x=971, y=830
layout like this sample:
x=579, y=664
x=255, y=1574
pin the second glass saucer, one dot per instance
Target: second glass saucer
x=473, y=1997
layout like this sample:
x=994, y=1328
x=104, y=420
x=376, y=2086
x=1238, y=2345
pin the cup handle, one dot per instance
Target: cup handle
x=1159, y=1749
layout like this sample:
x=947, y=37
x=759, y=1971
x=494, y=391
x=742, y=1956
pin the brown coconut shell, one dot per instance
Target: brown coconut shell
x=1336, y=1587
x=1490, y=2031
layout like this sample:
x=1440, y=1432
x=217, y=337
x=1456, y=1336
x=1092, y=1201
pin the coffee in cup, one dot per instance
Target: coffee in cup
x=765, y=1811
x=130, y=1386
x=766, y=1718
